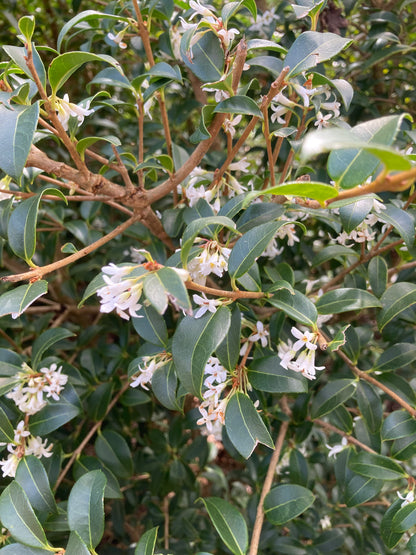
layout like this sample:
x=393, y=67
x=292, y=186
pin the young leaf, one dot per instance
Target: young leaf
x=86, y=508
x=17, y=515
x=285, y=502
x=16, y=301
x=21, y=230
x=244, y=426
x=32, y=477
x=147, y=543
x=229, y=523
x=194, y=342
x=18, y=126
x=303, y=189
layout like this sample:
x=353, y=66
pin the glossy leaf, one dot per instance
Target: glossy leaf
x=312, y=48
x=370, y=406
x=27, y=26
x=296, y=306
x=19, y=53
x=151, y=326
x=76, y=546
x=346, y=299
x=18, y=126
x=390, y=537
x=402, y=222
x=229, y=523
x=337, y=252
x=304, y=189
x=86, y=508
x=86, y=142
x=17, y=515
x=405, y=518
x=45, y=341
x=287, y=501
x=174, y=286
x=155, y=293
x=147, y=543
x=266, y=374
x=361, y=489
x=270, y=63
x=63, y=66
x=331, y=396
x=239, y=105
x=20, y=549
x=21, y=230
x=113, y=451
x=163, y=69
x=377, y=275
x=398, y=297
x=250, y=246
x=229, y=349
x=32, y=477
x=85, y=464
x=395, y=357
x=194, y=342
x=52, y=417
x=16, y=301
x=244, y=426
x=207, y=58
x=370, y=465
x=398, y=424
x=354, y=213
x=165, y=385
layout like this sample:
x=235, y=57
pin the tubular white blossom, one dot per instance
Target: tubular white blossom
x=65, y=109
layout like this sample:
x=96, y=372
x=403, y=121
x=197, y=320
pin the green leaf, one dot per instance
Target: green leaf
x=76, y=546
x=7, y=384
x=303, y=189
x=229, y=350
x=312, y=48
x=85, y=464
x=88, y=15
x=32, y=477
x=229, y=523
x=165, y=385
x=21, y=230
x=346, y=299
x=398, y=297
x=395, y=357
x=147, y=543
x=85, y=143
x=254, y=44
x=405, y=518
x=63, y=66
x=361, y=489
x=331, y=396
x=296, y=306
x=337, y=252
x=17, y=515
x=402, y=222
x=287, y=501
x=353, y=214
x=398, y=424
x=175, y=286
x=404, y=448
x=6, y=428
x=339, y=340
x=250, y=246
x=27, y=26
x=377, y=275
x=86, y=507
x=239, y=105
x=270, y=63
x=343, y=87
x=19, y=53
x=155, y=292
x=197, y=227
x=370, y=406
x=18, y=126
x=99, y=400
x=53, y=416
x=45, y=341
x=370, y=465
x=163, y=69
x=16, y=301
x=244, y=426
x=194, y=342
x=113, y=451
x=389, y=537
x=20, y=549
x=266, y=374
x=205, y=58
x=151, y=326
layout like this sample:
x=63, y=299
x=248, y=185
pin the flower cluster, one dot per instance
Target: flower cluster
x=213, y=259
x=212, y=408
x=23, y=444
x=150, y=365
x=305, y=361
x=28, y=395
x=120, y=293
x=65, y=109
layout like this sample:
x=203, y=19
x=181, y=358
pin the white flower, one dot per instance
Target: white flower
x=20, y=432
x=120, y=294
x=118, y=39
x=55, y=381
x=333, y=451
x=410, y=497
x=261, y=334
x=321, y=120
x=229, y=125
x=289, y=231
x=331, y=107
x=193, y=194
x=325, y=522
x=212, y=259
x=241, y=165
x=216, y=372
x=200, y=9
x=37, y=447
x=228, y=35
x=151, y=364
x=9, y=465
x=304, y=339
x=304, y=93
x=205, y=305
x=65, y=109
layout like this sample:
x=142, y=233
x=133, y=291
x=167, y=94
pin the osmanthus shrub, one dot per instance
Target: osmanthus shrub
x=207, y=224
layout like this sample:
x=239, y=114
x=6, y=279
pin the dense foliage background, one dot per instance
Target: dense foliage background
x=215, y=206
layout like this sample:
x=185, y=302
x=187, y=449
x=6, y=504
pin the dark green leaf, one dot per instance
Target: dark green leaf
x=45, y=341
x=266, y=374
x=346, y=299
x=76, y=546
x=296, y=306
x=113, y=451
x=395, y=357
x=206, y=57
x=16, y=301
x=398, y=297
x=402, y=222
x=398, y=424
x=354, y=213
x=228, y=351
x=377, y=275
x=32, y=477
x=361, y=489
x=370, y=465
x=229, y=524
x=370, y=406
x=404, y=519
x=331, y=396
x=389, y=537
x=147, y=543
x=165, y=385
x=151, y=326
x=239, y=105
x=285, y=502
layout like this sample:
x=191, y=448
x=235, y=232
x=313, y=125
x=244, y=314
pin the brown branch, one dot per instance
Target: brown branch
x=349, y=438
x=224, y=293
x=271, y=471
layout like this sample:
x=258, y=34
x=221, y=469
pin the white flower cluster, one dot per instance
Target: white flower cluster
x=213, y=259
x=212, y=408
x=24, y=444
x=305, y=361
x=120, y=293
x=28, y=395
x=151, y=364
x=65, y=109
